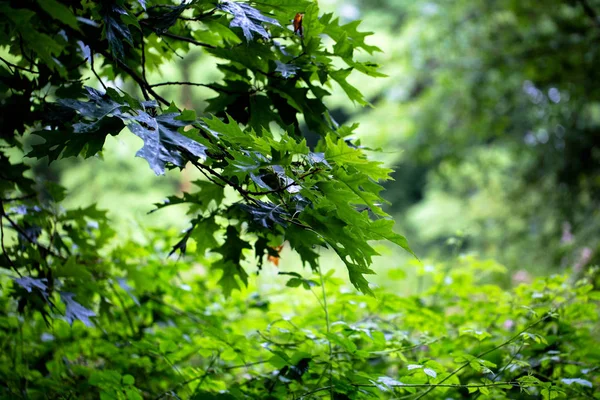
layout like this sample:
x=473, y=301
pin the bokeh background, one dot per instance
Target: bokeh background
x=490, y=116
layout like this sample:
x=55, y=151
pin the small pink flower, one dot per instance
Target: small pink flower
x=508, y=324
x=521, y=276
x=567, y=236
x=584, y=259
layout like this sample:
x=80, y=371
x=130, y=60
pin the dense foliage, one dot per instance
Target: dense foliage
x=462, y=339
x=88, y=313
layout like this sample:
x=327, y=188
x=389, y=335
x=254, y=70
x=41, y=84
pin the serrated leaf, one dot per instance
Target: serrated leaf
x=349, y=32
x=204, y=234
x=98, y=117
x=28, y=283
x=286, y=70
x=353, y=93
x=230, y=271
x=247, y=18
x=267, y=214
x=115, y=30
x=75, y=311
x=210, y=191
x=338, y=151
x=343, y=48
x=60, y=12
x=162, y=143
x=312, y=26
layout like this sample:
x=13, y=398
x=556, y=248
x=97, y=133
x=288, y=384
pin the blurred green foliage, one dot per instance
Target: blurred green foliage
x=494, y=106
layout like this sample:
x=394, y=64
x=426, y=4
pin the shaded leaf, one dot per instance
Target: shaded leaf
x=28, y=283
x=247, y=18
x=286, y=70
x=162, y=143
x=59, y=11
x=75, y=311
x=267, y=214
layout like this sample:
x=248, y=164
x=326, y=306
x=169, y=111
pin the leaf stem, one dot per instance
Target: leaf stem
x=328, y=325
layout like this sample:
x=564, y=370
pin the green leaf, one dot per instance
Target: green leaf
x=339, y=152
x=312, y=25
x=128, y=380
x=343, y=48
x=347, y=32
x=353, y=93
x=232, y=255
x=342, y=341
x=210, y=191
x=60, y=12
x=204, y=234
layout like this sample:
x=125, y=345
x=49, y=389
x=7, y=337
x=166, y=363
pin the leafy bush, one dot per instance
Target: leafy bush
x=175, y=336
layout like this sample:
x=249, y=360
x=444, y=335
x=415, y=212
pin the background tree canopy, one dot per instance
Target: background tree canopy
x=244, y=117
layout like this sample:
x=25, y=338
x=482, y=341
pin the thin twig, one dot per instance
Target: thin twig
x=144, y=61
x=509, y=362
x=177, y=37
x=185, y=83
x=18, y=67
x=436, y=385
x=199, y=17
x=321, y=389
x=94, y=71
x=206, y=373
x=138, y=79
x=245, y=365
x=328, y=331
x=30, y=240
x=125, y=310
x=25, y=197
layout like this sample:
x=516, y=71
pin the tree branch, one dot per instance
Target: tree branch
x=30, y=240
x=177, y=37
x=18, y=67
x=25, y=197
x=94, y=71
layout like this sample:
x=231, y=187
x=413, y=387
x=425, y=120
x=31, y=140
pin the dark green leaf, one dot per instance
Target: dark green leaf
x=162, y=143
x=247, y=18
